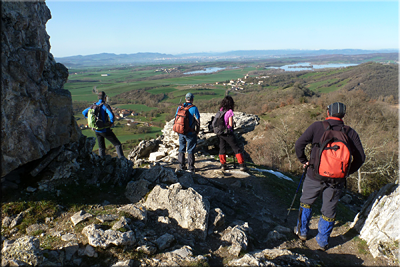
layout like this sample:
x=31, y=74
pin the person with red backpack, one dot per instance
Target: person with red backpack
x=336, y=153
x=187, y=124
x=225, y=133
x=106, y=118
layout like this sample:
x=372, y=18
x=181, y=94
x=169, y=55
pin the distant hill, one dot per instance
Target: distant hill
x=106, y=59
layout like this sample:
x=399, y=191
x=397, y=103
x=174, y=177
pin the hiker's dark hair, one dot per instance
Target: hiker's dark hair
x=227, y=103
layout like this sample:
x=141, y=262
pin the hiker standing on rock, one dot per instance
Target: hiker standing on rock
x=336, y=153
x=226, y=135
x=187, y=124
x=101, y=119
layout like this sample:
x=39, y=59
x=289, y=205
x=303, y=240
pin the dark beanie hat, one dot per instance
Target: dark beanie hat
x=337, y=109
x=102, y=95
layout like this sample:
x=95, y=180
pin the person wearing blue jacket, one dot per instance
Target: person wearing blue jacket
x=107, y=116
x=188, y=142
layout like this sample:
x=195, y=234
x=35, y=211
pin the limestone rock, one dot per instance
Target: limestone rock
x=35, y=228
x=79, y=217
x=90, y=251
x=186, y=180
x=164, y=241
x=275, y=236
x=18, y=219
x=360, y=218
x=187, y=207
x=159, y=173
x=36, y=112
x=127, y=263
x=122, y=223
x=25, y=249
x=137, y=211
x=136, y=190
x=146, y=249
x=106, y=217
x=69, y=237
x=144, y=149
x=272, y=257
x=236, y=238
x=155, y=156
x=100, y=238
x=381, y=229
x=70, y=249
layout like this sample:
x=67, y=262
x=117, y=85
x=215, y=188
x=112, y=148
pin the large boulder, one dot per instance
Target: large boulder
x=24, y=251
x=381, y=228
x=36, y=112
x=187, y=207
x=97, y=237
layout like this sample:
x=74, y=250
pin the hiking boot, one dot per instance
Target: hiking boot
x=192, y=171
x=223, y=167
x=243, y=167
x=180, y=168
x=323, y=248
x=302, y=237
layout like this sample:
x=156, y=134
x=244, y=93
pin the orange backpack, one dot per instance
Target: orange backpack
x=181, y=123
x=334, y=153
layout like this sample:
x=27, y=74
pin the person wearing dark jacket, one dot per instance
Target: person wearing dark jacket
x=329, y=189
x=107, y=116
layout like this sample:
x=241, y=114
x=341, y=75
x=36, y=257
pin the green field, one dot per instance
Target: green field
x=135, y=107
x=123, y=136
x=161, y=90
x=81, y=85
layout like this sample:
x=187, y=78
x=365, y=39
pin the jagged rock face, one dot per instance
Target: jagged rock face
x=381, y=228
x=36, y=111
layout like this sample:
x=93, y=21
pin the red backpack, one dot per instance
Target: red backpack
x=181, y=123
x=334, y=154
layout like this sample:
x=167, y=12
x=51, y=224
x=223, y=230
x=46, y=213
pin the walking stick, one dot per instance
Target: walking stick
x=291, y=205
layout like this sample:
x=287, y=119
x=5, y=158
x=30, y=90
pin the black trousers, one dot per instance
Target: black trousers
x=110, y=136
x=228, y=139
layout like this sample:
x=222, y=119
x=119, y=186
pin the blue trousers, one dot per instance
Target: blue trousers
x=187, y=143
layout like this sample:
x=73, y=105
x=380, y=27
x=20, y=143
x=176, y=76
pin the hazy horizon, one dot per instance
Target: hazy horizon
x=213, y=52
x=177, y=27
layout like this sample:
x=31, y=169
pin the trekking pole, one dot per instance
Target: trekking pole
x=297, y=190
x=234, y=162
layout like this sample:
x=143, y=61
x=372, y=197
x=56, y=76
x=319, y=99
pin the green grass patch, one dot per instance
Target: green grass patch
x=124, y=136
x=361, y=245
x=162, y=90
x=316, y=86
x=135, y=107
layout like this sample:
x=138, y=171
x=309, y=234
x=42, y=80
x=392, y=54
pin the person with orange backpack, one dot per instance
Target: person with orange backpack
x=336, y=153
x=187, y=125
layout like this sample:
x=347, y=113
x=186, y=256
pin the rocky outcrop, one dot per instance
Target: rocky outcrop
x=23, y=251
x=99, y=238
x=381, y=227
x=165, y=148
x=187, y=207
x=36, y=112
x=272, y=257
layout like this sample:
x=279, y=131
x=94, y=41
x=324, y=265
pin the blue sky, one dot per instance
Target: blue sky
x=175, y=27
